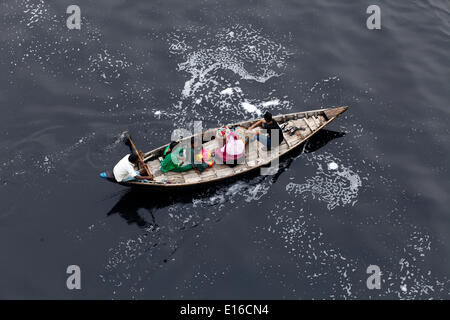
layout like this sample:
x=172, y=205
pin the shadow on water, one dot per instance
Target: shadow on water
x=320, y=139
x=133, y=200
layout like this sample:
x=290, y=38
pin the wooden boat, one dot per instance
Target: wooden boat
x=297, y=128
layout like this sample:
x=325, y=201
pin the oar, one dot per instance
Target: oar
x=129, y=142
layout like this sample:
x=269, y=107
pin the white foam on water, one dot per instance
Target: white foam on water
x=320, y=260
x=338, y=187
x=409, y=277
x=250, y=108
x=216, y=63
x=333, y=166
x=271, y=103
x=228, y=91
x=315, y=258
x=35, y=12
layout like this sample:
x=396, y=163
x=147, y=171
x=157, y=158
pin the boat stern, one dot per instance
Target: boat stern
x=107, y=175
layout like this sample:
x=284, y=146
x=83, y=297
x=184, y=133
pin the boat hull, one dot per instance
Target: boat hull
x=305, y=125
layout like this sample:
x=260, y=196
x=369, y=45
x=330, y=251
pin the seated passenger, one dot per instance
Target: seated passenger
x=201, y=159
x=175, y=160
x=183, y=159
x=233, y=150
x=169, y=149
x=224, y=132
x=273, y=130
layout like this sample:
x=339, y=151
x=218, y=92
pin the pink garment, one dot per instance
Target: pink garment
x=234, y=149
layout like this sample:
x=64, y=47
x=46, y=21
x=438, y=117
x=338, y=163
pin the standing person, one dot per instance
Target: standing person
x=125, y=169
x=269, y=124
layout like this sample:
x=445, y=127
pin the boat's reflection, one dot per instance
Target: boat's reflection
x=133, y=201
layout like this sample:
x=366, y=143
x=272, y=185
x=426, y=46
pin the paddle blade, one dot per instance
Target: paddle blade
x=125, y=137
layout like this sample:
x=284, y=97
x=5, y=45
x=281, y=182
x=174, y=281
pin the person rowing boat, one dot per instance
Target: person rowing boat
x=126, y=169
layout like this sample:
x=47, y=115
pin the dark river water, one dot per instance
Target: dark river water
x=308, y=232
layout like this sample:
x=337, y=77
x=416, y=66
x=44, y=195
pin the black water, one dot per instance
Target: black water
x=310, y=231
